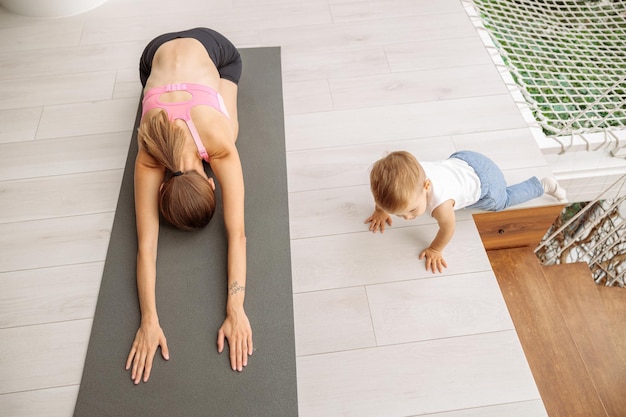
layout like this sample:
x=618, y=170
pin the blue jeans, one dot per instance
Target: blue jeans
x=494, y=194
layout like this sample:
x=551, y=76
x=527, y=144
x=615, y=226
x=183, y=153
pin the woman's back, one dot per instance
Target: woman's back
x=185, y=60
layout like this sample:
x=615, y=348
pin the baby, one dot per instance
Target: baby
x=406, y=188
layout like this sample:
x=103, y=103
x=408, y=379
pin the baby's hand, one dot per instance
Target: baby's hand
x=377, y=220
x=434, y=259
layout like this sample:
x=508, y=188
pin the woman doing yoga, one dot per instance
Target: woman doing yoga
x=189, y=115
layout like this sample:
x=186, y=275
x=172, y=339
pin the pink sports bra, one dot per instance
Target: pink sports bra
x=200, y=95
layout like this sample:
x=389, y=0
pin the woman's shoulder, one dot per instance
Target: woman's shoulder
x=218, y=135
x=222, y=150
x=145, y=160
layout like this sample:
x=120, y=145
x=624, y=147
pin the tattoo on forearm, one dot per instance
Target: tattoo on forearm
x=235, y=288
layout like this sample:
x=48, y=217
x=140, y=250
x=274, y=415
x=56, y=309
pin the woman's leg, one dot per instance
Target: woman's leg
x=223, y=53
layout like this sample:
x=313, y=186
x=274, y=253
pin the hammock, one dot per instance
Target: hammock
x=567, y=58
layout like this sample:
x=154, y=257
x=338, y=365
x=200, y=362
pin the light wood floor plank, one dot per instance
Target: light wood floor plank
x=127, y=84
x=416, y=378
x=365, y=258
x=19, y=124
x=368, y=10
x=69, y=195
x=52, y=402
x=389, y=123
x=42, y=356
x=97, y=117
x=58, y=89
x=307, y=97
x=54, y=242
x=247, y=3
x=415, y=86
x=343, y=35
x=137, y=8
x=436, y=53
x=72, y=155
x=306, y=65
x=532, y=408
x=39, y=34
x=47, y=295
x=331, y=321
x=229, y=21
x=438, y=307
x=69, y=60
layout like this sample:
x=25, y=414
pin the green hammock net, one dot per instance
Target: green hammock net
x=567, y=57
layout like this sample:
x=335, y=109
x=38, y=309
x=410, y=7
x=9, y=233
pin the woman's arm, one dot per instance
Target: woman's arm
x=236, y=327
x=148, y=177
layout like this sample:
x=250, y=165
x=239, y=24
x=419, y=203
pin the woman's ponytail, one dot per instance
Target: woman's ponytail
x=186, y=200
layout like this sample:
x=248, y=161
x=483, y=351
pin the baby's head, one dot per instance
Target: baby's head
x=399, y=185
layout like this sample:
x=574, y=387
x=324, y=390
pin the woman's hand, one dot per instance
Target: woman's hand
x=378, y=220
x=434, y=260
x=148, y=338
x=236, y=329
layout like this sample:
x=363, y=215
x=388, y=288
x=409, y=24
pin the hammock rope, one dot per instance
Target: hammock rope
x=568, y=59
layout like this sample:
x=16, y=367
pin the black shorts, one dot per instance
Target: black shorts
x=223, y=53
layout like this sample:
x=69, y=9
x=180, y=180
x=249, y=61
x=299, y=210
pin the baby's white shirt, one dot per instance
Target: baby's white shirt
x=451, y=179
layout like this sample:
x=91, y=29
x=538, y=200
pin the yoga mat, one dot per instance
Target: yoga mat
x=191, y=288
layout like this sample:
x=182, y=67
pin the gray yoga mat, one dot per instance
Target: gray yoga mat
x=191, y=288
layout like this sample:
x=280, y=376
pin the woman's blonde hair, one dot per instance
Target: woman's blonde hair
x=394, y=179
x=186, y=201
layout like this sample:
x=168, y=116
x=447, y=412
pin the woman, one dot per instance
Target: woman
x=189, y=114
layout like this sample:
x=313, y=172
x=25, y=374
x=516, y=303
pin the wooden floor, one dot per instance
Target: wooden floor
x=376, y=334
x=572, y=331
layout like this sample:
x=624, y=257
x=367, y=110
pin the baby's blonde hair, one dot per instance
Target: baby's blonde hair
x=394, y=179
